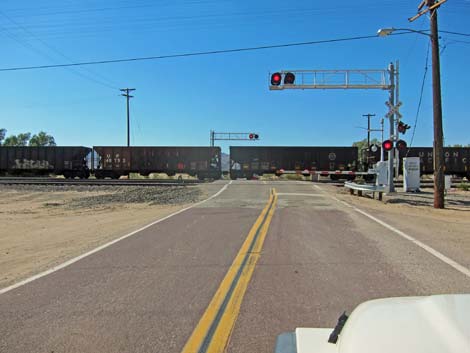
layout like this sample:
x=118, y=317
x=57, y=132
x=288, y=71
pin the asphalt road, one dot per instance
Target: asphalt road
x=148, y=292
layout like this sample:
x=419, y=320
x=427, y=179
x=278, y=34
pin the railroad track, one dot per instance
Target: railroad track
x=425, y=183
x=97, y=182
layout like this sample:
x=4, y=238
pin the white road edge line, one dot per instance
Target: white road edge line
x=462, y=269
x=101, y=247
x=430, y=250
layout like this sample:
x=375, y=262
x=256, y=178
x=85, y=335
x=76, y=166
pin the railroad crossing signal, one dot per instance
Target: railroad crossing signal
x=387, y=145
x=276, y=79
x=401, y=145
x=232, y=136
x=402, y=127
x=289, y=78
x=394, y=109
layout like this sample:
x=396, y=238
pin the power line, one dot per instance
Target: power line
x=103, y=81
x=420, y=98
x=456, y=33
x=200, y=53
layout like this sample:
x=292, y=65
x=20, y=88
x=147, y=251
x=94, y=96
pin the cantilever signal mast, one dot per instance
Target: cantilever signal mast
x=349, y=79
x=128, y=96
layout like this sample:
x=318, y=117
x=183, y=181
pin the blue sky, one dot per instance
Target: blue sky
x=178, y=101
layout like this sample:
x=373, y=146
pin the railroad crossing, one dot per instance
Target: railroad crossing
x=309, y=254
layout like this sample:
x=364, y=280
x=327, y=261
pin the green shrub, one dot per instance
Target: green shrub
x=464, y=186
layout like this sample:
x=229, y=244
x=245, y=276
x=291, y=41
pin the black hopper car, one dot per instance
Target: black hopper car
x=248, y=161
x=114, y=161
x=456, y=160
x=69, y=161
x=110, y=161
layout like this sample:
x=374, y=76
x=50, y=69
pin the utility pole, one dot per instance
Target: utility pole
x=438, y=144
x=437, y=112
x=382, y=140
x=128, y=96
x=368, y=136
x=398, y=117
x=212, y=138
x=391, y=104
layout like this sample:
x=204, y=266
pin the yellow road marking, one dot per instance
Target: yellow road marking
x=213, y=331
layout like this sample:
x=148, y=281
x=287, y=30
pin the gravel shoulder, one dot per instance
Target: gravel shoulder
x=447, y=230
x=43, y=226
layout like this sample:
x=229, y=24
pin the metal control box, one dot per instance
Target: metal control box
x=411, y=174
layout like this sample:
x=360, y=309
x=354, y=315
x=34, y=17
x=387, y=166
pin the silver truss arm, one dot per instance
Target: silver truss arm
x=337, y=79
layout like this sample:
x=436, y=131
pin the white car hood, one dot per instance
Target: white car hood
x=434, y=324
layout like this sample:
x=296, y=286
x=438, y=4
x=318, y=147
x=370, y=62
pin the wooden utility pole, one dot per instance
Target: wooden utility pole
x=437, y=112
x=128, y=96
x=438, y=145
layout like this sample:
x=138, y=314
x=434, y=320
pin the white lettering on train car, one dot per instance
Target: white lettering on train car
x=32, y=164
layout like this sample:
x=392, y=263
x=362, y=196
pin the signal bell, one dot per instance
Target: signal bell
x=276, y=79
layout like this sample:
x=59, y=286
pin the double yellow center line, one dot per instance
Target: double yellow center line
x=213, y=331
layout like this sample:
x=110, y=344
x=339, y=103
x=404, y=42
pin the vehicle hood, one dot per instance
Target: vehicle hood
x=434, y=324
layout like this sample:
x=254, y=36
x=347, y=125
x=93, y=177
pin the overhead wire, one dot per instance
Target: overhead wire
x=94, y=24
x=455, y=33
x=192, y=54
x=103, y=80
x=426, y=67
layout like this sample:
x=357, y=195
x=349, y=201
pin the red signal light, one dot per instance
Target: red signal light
x=251, y=136
x=402, y=127
x=276, y=79
x=387, y=145
x=401, y=145
x=289, y=78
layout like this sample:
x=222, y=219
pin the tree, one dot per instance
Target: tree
x=362, y=147
x=42, y=139
x=3, y=132
x=18, y=140
x=11, y=141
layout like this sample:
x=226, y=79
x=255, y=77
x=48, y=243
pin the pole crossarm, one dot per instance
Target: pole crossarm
x=336, y=79
x=430, y=8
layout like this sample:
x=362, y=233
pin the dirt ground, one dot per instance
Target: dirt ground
x=43, y=227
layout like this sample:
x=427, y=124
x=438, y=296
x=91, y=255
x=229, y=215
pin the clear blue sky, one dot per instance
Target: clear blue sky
x=178, y=101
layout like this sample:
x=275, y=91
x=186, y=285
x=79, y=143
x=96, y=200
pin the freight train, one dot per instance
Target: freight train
x=205, y=162
x=248, y=161
x=110, y=161
x=69, y=161
x=334, y=161
x=456, y=160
